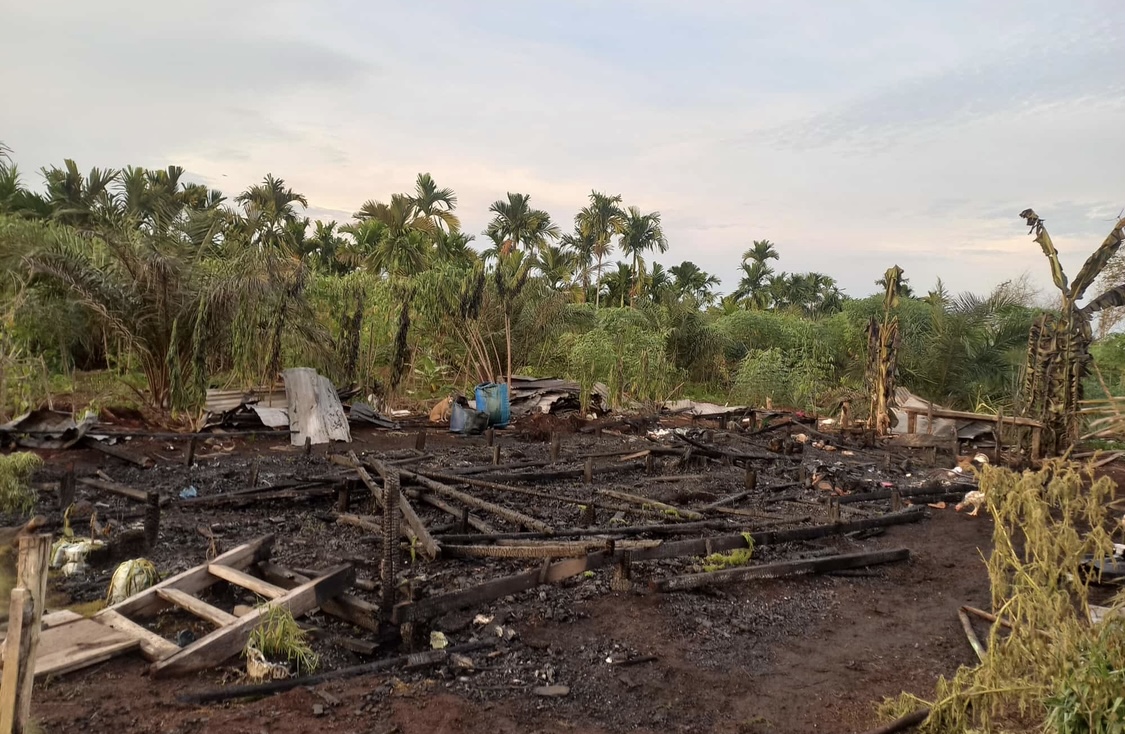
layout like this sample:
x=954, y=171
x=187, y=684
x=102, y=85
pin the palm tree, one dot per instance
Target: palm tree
x=14, y=198
x=557, y=263
x=270, y=210
x=641, y=233
x=435, y=204
x=516, y=222
x=75, y=199
x=761, y=251
x=598, y=222
x=753, y=287
x=688, y=279
x=326, y=248
x=583, y=245
x=617, y=283
x=385, y=250
x=454, y=247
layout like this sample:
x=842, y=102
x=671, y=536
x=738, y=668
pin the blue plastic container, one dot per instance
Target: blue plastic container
x=492, y=399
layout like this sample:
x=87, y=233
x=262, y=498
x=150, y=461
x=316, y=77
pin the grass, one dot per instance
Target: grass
x=279, y=637
x=16, y=495
x=1055, y=671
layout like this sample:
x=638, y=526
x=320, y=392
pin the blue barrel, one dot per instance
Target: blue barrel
x=492, y=399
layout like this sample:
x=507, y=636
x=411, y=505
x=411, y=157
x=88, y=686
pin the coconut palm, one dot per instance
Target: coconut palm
x=14, y=197
x=598, y=222
x=641, y=233
x=516, y=222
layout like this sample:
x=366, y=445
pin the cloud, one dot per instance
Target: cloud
x=854, y=135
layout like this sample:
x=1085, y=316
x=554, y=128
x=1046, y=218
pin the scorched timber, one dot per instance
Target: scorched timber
x=778, y=570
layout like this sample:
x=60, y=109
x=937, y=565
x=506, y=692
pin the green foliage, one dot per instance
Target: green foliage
x=16, y=495
x=279, y=637
x=625, y=351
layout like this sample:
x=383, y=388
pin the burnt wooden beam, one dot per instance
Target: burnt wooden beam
x=779, y=570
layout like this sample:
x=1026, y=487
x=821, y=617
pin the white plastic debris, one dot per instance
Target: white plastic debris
x=438, y=641
x=69, y=554
x=482, y=619
x=260, y=669
x=131, y=577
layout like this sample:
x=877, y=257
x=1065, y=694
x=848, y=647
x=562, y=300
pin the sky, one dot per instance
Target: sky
x=854, y=136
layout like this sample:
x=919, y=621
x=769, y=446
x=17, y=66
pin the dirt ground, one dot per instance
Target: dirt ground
x=806, y=654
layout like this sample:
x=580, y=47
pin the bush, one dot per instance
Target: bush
x=16, y=496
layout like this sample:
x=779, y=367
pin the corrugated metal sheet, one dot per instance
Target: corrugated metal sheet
x=314, y=408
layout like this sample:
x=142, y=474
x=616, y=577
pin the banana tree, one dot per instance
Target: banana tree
x=1058, y=348
x=882, y=355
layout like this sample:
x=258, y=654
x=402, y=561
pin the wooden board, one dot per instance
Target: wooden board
x=79, y=644
x=153, y=646
x=197, y=606
x=251, y=583
x=345, y=606
x=228, y=641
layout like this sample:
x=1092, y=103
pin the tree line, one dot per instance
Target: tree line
x=142, y=272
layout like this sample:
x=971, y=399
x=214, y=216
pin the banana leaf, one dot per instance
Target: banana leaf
x=1097, y=262
x=1110, y=299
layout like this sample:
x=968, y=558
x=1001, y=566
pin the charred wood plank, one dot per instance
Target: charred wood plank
x=778, y=570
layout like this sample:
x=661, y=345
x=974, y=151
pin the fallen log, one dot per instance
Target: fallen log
x=715, y=452
x=417, y=660
x=778, y=570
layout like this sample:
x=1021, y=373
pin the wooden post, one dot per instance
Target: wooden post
x=751, y=480
x=308, y=445
x=254, y=474
x=420, y=441
x=26, y=613
x=66, y=488
x=556, y=443
x=650, y=464
x=343, y=497
x=1036, y=442
x=464, y=520
x=152, y=519
x=192, y=445
x=496, y=455
x=911, y=421
x=896, y=499
x=588, y=470
x=833, y=510
x=490, y=436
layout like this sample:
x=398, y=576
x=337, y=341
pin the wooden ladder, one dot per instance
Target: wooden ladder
x=231, y=633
